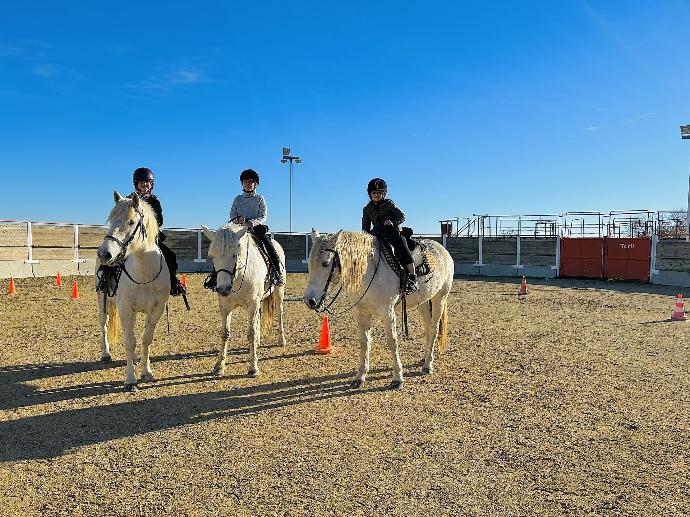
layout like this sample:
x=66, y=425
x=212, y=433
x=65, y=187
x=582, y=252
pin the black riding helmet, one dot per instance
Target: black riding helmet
x=249, y=174
x=142, y=174
x=377, y=184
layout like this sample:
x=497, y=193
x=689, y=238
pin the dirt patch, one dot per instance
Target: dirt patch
x=571, y=400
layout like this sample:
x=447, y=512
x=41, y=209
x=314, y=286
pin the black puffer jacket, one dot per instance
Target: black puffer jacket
x=374, y=214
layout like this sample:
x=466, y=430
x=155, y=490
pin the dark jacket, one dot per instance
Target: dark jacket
x=374, y=215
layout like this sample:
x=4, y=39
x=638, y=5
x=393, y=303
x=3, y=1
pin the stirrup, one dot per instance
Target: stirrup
x=177, y=289
x=411, y=286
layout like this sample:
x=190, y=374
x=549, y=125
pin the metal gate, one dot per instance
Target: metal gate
x=627, y=259
x=606, y=257
x=582, y=257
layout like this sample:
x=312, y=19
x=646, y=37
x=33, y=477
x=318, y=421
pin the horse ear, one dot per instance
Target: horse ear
x=116, y=196
x=208, y=232
x=135, y=200
x=315, y=234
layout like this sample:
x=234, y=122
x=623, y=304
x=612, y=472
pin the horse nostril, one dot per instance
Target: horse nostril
x=107, y=255
x=311, y=302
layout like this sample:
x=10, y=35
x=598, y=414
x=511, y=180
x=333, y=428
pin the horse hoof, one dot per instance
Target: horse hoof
x=147, y=377
x=253, y=373
x=395, y=385
x=106, y=359
x=427, y=370
x=132, y=388
x=357, y=383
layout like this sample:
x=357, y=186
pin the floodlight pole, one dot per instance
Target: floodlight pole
x=685, y=135
x=288, y=157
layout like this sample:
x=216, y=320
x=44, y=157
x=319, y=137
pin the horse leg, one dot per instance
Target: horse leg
x=390, y=322
x=365, y=322
x=431, y=320
x=127, y=320
x=146, y=340
x=280, y=297
x=254, y=336
x=103, y=325
x=225, y=319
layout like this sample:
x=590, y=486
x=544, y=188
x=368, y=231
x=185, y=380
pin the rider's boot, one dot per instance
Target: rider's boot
x=176, y=287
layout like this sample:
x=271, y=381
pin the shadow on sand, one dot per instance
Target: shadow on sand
x=51, y=435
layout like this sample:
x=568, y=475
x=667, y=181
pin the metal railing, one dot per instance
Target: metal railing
x=664, y=224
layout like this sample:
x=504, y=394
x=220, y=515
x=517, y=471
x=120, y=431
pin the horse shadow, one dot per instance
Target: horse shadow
x=18, y=392
x=51, y=435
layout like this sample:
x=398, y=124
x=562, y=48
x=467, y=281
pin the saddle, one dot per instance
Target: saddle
x=272, y=273
x=421, y=269
x=407, y=233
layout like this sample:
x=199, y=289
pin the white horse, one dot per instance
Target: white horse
x=144, y=282
x=243, y=281
x=353, y=261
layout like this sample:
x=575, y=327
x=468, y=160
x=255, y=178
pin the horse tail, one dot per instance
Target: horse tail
x=268, y=306
x=114, y=326
x=443, y=328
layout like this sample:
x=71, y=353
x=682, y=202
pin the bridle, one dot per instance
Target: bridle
x=211, y=280
x=119, y=261
x=336, y=264
x=120, y=258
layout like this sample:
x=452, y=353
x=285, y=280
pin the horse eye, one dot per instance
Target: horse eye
x=131, y=222
x=324, y=264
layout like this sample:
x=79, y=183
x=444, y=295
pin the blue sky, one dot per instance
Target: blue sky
x=464, y=107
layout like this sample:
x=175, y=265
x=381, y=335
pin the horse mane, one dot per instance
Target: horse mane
x=121, y=211
x=354, y=250
x=225, y=236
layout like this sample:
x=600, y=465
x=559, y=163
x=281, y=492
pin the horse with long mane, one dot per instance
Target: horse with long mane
x=241, y=278
x=352, y=260
x=130, y=247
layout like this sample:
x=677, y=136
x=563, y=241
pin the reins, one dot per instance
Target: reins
x=211, y=280
x=336, y=263
x=109, y=278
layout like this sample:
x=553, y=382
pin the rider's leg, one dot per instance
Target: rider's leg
x=403, y=253
x=176, y=287
x=260, y=231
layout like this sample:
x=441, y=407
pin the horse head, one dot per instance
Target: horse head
x=132, y=226
x=227, y=244
x=323, y=269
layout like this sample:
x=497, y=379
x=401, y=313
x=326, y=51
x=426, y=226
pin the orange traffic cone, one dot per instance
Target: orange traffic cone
x=523, y=287
x=184, y=281
x=75, y=291
x=679, y=310
x=58, y=280
x=11, y=290
x=324, y=346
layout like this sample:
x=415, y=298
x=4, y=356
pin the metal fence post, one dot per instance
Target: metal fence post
x=29, y=245
x=76, y=245
x=306, y=249
x=198, y=247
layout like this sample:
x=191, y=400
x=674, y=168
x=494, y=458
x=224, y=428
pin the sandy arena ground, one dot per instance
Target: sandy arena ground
x=572, y=400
